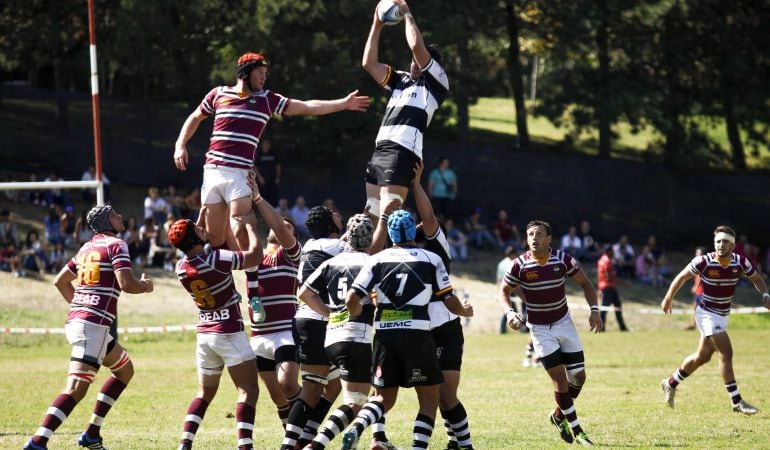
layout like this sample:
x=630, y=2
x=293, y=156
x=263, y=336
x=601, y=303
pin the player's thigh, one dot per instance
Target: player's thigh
x=89, y=342
x=709, y=323
x=354, y=361
x=544, y=341
x=721, y=342
x=240, y=206
x=567, y=335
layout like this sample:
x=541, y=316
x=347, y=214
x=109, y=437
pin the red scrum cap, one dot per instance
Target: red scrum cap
x=181, y=234
x=247, y=62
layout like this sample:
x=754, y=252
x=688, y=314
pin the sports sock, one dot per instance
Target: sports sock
x=244, y=417
x=110, y=392
x=457, y=418
x=732, y=389
x=338, y=420
x=314, y=420
x=193, y=419
x=61, y=407
x=564, y=400
x=422, y=431
x=378, y=429
x=678, y=376
x=297, y=417
x=368, y=415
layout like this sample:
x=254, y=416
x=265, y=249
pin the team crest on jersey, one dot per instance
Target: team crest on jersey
x=557, y=269
x=714, y=273
x=531, y=275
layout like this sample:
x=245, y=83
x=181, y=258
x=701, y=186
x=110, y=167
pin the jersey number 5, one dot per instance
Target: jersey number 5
x=203, y=298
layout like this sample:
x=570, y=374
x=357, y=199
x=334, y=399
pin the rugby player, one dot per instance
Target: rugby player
x=405, y=278
x=541, y=273
x=221, y=342
x=101, y=270
x=241, y=113
x=719, y=273
x=415, y=96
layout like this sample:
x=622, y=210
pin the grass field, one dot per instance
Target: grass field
x=508, y=405
x=497, y=115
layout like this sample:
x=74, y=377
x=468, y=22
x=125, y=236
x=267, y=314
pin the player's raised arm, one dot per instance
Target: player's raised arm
x=676, y=284
x=351, y=102
x=380, y=72
x=421, y=199
x=413, y=36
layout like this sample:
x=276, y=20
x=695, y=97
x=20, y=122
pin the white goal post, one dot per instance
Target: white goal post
x=98, y=183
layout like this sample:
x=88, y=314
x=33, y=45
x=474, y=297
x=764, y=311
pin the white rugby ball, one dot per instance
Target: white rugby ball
x=389, y=13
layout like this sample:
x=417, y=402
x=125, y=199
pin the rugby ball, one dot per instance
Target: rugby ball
x=389, y=13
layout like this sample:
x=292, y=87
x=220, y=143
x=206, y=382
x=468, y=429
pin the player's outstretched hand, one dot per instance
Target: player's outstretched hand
x=402, y=4
x=665, y=305
x=180, y=157
x=146, y=282
x=595, y=321
x=354, y=102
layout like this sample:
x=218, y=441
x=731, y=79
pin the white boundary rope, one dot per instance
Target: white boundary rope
x=121, y=330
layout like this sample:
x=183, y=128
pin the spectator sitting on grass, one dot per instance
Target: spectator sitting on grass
x=458, y=242
x=478, y=234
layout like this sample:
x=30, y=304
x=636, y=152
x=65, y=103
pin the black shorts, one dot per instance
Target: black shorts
x=449, y=344
x=405, y=358
x=282, y=354
x=309, y=335
x=391, y=164
x=354, y=360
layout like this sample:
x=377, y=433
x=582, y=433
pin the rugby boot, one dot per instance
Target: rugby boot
x=563, y=426
x=350, y=440
x=381, y=445
x=582, y=439
x=30, y=445
x=90, y=442
x=669, y=392
x=745, y=407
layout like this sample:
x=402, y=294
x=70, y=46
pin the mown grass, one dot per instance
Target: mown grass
x=497, y=115
x=621, y=405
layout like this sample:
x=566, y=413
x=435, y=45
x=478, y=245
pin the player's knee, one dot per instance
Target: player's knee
x=388, y=197
x=352, y=398
x=78, y=382
x=208, y=377
x=333, y=374
x=576, y=377
x=373, y=206
x=123, y=368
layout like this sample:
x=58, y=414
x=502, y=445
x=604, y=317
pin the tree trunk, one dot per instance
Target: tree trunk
x=602, y=90
x=515, y=72
x=733, y=132
x=461, y=92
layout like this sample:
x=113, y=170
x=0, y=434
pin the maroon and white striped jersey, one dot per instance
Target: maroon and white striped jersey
x=208, y=277
x=719, y=281
x=276, y=285
x=238, y=124
x=96, y=287
x=543, y=284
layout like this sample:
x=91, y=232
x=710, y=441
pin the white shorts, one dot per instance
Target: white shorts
x=89, y=341
x=709, y=323
x=224, y=184
x=217, y=350
x=264, y=346
x=560, y=335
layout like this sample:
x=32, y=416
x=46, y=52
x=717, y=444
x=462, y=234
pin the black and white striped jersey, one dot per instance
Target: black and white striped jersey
x=411, y=105
x=331, y=282
x=314, y=253
x=404, y=280
x=438, y=244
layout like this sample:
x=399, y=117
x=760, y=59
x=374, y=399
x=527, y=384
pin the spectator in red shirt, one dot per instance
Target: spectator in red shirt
x=607, y=290
x=506, y=232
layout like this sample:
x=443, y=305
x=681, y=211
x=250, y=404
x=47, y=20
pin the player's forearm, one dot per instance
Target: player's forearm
x=323, y=107
x=504, y=297
x=66, y=290
x=353, y=303
x=274, y=221
x=425, y=209
x=312, y=300
x=371, y=55
x=413, y=35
